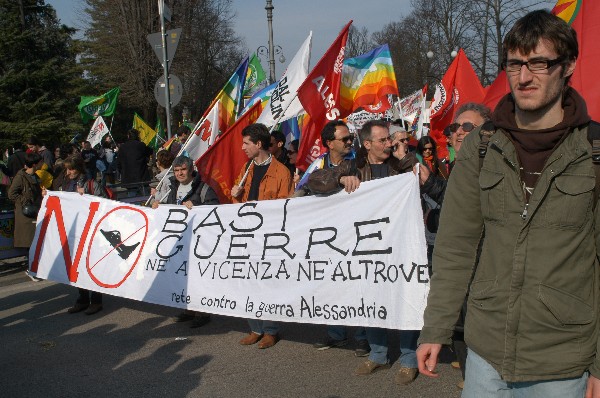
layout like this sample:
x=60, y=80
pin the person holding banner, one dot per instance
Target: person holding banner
x=262, y=178
x=336, y=137
x=187, y=189
x=379, y=157
x=76, y=181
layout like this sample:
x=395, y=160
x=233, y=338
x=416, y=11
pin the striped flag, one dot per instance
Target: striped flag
x=367, y=80
x=230, y=97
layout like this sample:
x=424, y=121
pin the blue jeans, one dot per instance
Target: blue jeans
x=377, y=338
x=338, y=332
x=263, y=327
x=482, y=380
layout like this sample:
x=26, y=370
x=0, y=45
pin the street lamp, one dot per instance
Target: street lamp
x=272, y=50
x=263, y=51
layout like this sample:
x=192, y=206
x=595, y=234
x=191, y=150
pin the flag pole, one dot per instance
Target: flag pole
x=196, y=127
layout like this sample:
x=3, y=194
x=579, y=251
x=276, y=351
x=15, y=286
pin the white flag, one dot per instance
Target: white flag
x=284, y=103
x=204, y=134
x=98, y=131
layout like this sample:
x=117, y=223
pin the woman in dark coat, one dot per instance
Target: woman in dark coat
x=25, y=189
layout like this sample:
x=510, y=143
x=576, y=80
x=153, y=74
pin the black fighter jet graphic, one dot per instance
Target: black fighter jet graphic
x=114, y=238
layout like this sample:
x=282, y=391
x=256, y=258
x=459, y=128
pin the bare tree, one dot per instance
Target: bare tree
x=118, y=52
x=358, y=42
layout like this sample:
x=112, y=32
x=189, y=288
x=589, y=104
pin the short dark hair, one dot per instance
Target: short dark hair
x=328, y=132
x=165, y=158
x=133, y=134
x=295, y=144
x=65, y=151
x=32, y=158
x=183, y=129
x=34, y=140
x=258, y=132
x=483, y=110
x=278, y=135
x=538, y=25
x=365, y=131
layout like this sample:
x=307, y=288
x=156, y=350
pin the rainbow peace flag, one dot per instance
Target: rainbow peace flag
x=230, y=97
x=367, y=80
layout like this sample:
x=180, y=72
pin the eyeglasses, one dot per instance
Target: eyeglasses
x=428, y=148
x=466, y=126
x=514, y=66
x=290, y=152
x=345, y=139
x=404, y=139
x=382, y=140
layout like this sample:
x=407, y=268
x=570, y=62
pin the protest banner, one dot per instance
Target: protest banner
x=286, y=260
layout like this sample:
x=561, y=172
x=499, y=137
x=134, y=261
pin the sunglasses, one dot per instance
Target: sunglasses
x=466, y=126
x=404, y=139
x=428, y=148
x=290, y=152
x=345, y=139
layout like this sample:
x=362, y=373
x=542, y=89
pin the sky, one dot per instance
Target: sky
x=292, y=21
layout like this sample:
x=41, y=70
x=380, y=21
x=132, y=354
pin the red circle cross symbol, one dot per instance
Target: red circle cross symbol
x=114, y=252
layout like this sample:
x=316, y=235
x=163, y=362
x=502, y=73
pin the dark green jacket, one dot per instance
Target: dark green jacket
x=533, y=303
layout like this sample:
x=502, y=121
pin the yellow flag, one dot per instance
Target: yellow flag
x=146, y=132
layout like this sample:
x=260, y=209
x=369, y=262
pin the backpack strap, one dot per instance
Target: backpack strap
x=485, y=133
x=593, y=134
x=203, y=192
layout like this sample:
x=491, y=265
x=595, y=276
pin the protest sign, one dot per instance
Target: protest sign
x=357, y=259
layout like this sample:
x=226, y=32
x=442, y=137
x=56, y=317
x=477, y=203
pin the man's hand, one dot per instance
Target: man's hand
x=423, y=174
x=188, y=204
x=44, y=191
x=80, y=190
x=153, y=191
x=236, y=191
x=593, y=388
x=427, y=358
x=350, y=183
x=401, y=148
x=155, y=204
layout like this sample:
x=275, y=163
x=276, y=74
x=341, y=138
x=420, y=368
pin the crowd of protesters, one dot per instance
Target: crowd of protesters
x=470, y=245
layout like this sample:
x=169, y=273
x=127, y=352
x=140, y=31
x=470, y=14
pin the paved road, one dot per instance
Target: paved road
x=133, y=349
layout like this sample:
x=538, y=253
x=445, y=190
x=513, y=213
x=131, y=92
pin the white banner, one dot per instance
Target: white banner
x=98, y=131
x=349, y=259
x=284, y=103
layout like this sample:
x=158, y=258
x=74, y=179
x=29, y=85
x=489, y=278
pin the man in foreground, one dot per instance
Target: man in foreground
x=262, y=178
x=532, y=323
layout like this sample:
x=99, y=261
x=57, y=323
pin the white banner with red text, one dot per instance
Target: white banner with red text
x=349, y=259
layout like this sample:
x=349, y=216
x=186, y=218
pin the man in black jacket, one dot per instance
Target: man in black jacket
x=132, y=159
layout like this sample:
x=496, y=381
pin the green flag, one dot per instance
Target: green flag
x=254, y=76
x=104, y=105
x=146, y=132
x=160, y=137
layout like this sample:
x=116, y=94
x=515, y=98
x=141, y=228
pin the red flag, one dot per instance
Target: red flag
x=320, y=96
x=584, y=17
x=459, y=85
x=495, y=91
x=221, y=163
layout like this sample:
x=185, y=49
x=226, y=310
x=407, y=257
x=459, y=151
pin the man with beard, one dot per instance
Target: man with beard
x=532, y=318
